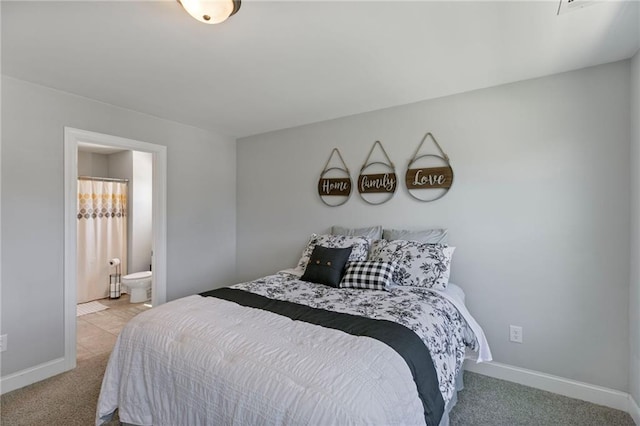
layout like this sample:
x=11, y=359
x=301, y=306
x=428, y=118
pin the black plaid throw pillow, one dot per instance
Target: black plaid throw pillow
x=368, y=275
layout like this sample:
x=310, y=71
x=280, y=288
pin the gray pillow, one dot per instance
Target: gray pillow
x=429, y=236
x=372, y=232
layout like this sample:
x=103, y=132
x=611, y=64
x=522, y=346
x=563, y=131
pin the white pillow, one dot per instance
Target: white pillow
x=431, y=236
x=418, y=264
x=360, y=250
x=455, y=292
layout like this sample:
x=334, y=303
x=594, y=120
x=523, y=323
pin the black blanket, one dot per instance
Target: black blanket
x=403, y=340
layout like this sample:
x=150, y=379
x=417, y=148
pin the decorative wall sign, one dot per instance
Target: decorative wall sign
x=434, y=179
x=384, y=182
x=335, y=182
x=334, y=186
x=377, y=183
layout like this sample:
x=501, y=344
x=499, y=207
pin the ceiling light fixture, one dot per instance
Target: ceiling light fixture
x=211, y=11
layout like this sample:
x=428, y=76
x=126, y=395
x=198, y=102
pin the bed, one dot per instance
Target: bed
x=284, y=349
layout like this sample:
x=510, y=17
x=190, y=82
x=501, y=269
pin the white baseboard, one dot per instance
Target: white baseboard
x=634, y=410
x=547, y=382
x=31, y=375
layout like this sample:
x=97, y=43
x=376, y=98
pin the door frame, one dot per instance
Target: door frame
x=72, y=138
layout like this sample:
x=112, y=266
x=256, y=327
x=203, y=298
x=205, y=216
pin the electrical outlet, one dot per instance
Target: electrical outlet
x=515, y=333
x=3, y=343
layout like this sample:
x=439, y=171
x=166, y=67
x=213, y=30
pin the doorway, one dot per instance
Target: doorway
x=75, y=138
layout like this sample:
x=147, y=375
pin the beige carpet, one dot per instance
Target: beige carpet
x=67, y=399
x=494, y=402
x=70, y=399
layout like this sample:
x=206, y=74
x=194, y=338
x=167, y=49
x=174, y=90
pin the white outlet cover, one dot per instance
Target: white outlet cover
x=515, y=334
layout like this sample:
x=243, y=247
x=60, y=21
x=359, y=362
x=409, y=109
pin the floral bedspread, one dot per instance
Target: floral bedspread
x=430, y=315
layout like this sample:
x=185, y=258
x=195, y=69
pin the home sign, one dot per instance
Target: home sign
x=334, y=185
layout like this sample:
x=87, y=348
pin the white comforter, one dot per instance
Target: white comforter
x=195, y=374
x=201, y=360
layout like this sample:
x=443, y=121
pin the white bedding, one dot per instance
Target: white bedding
x=201, y=360
x=195, y=374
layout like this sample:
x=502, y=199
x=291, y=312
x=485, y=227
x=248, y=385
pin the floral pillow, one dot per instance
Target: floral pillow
x=418, y=264
x=360, y=250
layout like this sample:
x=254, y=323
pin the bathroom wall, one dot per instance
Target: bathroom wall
x=92, y=164
x=140, y=211
x=120, y=166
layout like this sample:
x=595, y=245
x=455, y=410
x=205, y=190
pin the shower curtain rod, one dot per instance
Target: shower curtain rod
x=102, y=179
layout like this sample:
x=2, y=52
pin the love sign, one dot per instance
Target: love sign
x=427, y=178
x=429, y=183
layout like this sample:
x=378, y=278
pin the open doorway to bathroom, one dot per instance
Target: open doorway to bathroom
x=115, y=237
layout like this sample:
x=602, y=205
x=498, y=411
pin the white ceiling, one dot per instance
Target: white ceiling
x=281, y=64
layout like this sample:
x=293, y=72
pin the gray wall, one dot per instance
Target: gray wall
x=634, y=291
x=539, y=211
x=141, y=219
x=93, y=164
x=137, y=167
x=120, y=166
x=200, y=209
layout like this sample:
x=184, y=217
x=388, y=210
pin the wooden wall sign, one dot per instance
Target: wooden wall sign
x=334, y=186
x=377, y=183
x=432, y=182
x=433, y=177
x=338, y=187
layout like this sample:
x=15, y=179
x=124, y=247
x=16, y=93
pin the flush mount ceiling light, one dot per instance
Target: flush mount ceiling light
x=211, y=11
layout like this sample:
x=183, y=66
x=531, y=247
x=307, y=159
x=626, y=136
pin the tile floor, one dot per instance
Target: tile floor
x=97, y=332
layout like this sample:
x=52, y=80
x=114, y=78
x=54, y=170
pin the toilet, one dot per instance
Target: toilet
x=138, y=286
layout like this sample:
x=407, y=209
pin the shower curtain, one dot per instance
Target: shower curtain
x=102, y=235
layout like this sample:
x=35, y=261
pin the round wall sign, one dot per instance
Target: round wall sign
x=334, y=186
x=429, y=177
x=338, y=187
x=379, y=185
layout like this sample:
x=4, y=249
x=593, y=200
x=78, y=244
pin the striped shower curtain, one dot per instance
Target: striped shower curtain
x=102, y=235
